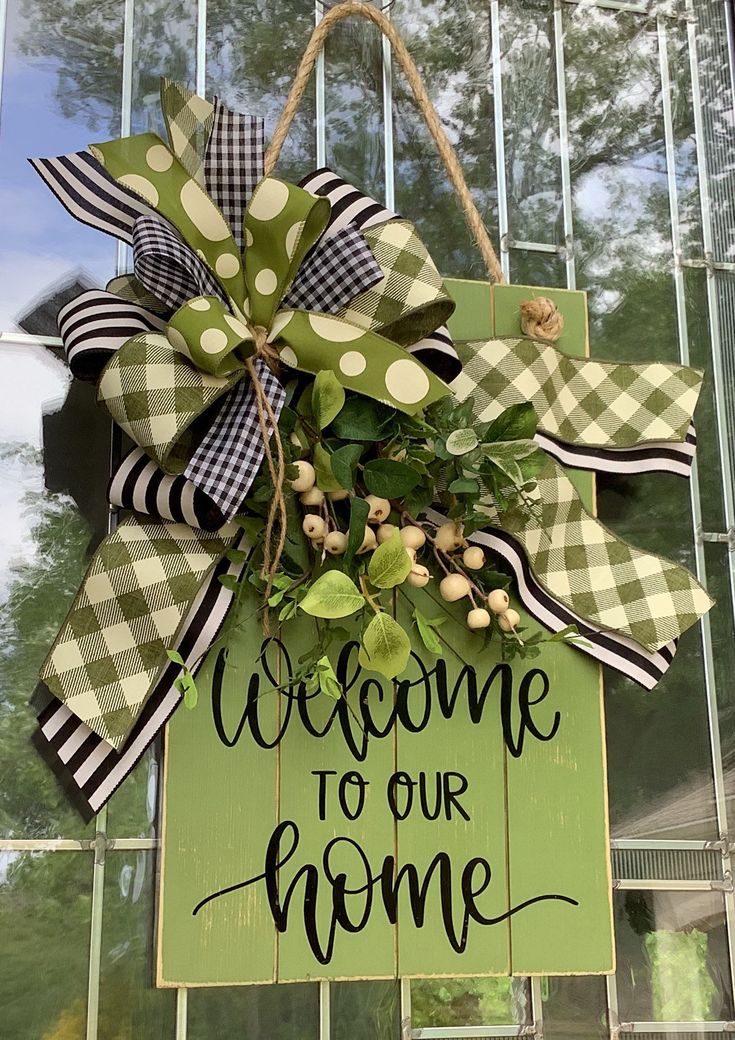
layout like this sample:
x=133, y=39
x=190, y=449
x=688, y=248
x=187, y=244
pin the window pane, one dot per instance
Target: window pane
x=164, y=44
x=468, y=1002
x=287, y=1012
x=54, y=448
x=673, y=963
x=574, y=1008
x=252, y=53
x=61, y=90
x=130, y=1008
x=365, y=1011
x=45, y=903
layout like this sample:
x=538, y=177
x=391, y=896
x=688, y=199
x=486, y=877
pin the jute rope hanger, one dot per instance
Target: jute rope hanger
x=447, y=153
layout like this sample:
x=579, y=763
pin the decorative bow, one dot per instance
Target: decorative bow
x=252, y=271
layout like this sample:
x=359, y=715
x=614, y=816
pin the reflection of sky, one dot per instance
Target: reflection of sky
x=32, y=382
x=41, y=242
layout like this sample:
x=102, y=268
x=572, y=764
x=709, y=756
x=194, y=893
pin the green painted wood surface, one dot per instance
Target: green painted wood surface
x=539, y=820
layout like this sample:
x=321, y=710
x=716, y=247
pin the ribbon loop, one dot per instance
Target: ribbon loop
x=167, y=267
x=205, y=332
x=144, y=165
x=282, y=223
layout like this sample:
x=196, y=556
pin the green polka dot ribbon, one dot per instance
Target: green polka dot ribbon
x=282, y=224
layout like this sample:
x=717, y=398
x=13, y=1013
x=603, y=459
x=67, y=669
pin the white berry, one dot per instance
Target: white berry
x=384, y=532
x=379, y=509
x=419, y=576
x=338, y=496
x=473, y=558
x=411, y=553
x=449, y=537
x=369, y=541
x=314, y=526
x=335, y=543
x=413, y=537
x=454, y=587
x=306, y=478
x=478, y=618
x=313, y=497
x=509, y=620
x=498, y=601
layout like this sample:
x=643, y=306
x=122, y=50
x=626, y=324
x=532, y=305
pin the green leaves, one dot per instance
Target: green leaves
x=324, y=680
x=459, y=442
x=385, y=646
x=184, y=682
x=389, y=479
x=325, y=479
x=344, y=463
x=427, y=631
x=390, y=564
x=516, y=423
x=327, y=398
x=362, y=419
x=333, y=595
x=359, y=510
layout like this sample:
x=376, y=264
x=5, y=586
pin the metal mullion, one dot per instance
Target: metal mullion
x=705, y=203
x=480, y=1032
x=201, y=48
x=320, y=80
x=537, y=1007
x=95, y=933
x=73, y=844
x=566, y=173
x=3, y=40
x=613, y=1013
x=612, y=5
x=661, y=845
x=325, y=1010
x=406, y=1031
x=669, y=885
x=531, y=247
x=182, y=1013
x=25, y=339
x=388, y=143
x=502, y=185
x=676, y=1027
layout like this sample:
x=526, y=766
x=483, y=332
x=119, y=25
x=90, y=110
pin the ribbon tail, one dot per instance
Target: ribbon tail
x=90, y=768
x=651, y=457
x=128, y=613
x=606, y=582
x=189, y=120
x=230, y=455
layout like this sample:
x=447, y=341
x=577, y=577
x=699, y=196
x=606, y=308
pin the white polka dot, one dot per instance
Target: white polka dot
x=246, y=308
x=292, y=238
x=248, y=237
x=237, y=327
x=269, y=200
x=141, y=186
x=227, y=265
x=159, y=158
x=406, y=381
x=212, y=341
x=352, y=363
x=177, y=341
x=288, y=357
x=203, y=213
x=334, y=329
x=266, y=282
x=200, y=304
x=280, y=322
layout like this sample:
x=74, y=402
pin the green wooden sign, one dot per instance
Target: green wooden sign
x=451, y=823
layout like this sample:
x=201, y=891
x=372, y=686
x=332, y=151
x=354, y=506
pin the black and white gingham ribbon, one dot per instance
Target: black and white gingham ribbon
x=167, y=267
x=89, y=767
x=336, y=271
x=228, y=458
x=95, y=324
x=233, y=164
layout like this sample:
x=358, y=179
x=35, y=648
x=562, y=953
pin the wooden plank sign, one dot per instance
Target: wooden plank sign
x=450, y=823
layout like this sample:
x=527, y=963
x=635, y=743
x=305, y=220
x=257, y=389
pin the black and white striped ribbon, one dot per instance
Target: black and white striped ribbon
x=95, y=324
x=140, y=485
x=652, y=457
x=609, y=648
x=88, y=765
x=438, y=354
x=89, y=194
x=168, y=267
x=350, y=206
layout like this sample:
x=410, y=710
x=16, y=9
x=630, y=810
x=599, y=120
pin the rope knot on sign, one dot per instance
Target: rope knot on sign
x=541, y=319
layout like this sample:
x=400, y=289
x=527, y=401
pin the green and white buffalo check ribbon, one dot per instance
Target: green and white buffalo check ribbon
x=112, y=646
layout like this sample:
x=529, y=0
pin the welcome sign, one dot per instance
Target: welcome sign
x=450, y=823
